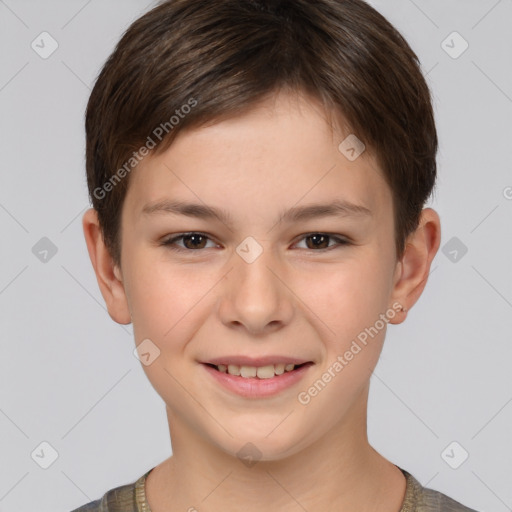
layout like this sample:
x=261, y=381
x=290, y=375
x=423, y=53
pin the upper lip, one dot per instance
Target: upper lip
x=256, y=361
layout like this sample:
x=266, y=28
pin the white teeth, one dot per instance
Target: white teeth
x=262, y=372
x=279, y=368
x=248, y=371
x=233, y=369
x=265, y=372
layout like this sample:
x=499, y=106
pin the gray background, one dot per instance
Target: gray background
x=68, y=375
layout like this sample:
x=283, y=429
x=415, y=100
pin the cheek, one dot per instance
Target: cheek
x=164, y=299
x=347, y=297
x=350, y=302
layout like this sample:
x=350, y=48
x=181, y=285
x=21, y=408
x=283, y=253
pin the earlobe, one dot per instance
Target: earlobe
x=117, y=273
x=413, y=270
x=108, y=275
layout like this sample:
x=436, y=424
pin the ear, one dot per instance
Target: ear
x=108, y=274
x=412, y=271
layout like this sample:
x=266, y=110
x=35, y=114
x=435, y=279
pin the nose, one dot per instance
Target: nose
x=255, y=295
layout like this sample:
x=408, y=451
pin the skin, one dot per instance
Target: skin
x=294, y=299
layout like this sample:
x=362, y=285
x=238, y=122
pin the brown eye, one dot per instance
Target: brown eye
x=191, y=242
x=320, y=241
x=194, y=241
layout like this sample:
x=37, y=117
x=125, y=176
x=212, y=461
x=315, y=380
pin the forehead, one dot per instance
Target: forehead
x=281, y=152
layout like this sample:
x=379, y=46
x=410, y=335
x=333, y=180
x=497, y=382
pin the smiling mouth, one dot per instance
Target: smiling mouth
x=260, y=372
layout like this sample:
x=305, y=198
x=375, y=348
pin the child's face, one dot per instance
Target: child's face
x=293, y=301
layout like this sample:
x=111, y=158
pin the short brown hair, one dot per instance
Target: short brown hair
x=220, y=58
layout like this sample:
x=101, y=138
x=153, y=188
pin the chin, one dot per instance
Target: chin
x=255, y=445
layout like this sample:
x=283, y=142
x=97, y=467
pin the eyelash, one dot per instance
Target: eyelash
x=169, y=243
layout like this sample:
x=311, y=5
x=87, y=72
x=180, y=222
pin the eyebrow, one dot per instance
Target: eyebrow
x=337, y=208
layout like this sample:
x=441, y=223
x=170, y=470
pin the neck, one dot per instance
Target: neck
x=340, y=471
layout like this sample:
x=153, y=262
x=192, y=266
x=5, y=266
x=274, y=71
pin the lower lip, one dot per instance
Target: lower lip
x=254, y=387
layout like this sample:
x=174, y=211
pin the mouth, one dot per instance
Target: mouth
x=268, y=371
x=257, y=382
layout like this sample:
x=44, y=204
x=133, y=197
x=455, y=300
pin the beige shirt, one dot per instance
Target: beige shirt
x=132, y=498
